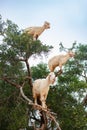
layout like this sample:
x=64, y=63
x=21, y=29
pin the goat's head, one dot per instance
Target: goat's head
x=71, y=54
x=46, y=25
x=51, y=77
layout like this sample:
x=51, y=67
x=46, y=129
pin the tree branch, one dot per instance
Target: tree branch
x=29, y=73
x=85, y=100
x=25, y=97
x=10, y=82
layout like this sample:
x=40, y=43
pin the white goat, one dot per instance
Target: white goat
x=36, y=31
x=41, y=88
x=59, y=60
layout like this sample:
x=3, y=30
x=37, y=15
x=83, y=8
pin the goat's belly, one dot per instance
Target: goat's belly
x=30, y=32
x=37, y=91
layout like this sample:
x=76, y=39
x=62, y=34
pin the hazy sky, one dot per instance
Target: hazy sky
x=68, y=19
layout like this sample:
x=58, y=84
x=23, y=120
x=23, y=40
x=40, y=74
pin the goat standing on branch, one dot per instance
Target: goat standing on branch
x=36, y=31
x=59, y=60
x=41, y=88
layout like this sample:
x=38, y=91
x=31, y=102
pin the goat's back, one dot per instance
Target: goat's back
x=39, y=84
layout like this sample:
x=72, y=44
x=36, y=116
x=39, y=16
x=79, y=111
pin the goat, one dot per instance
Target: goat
x=36, y=31
x=41, y=88
x=59, y=60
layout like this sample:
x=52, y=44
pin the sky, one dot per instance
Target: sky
x=68, y=19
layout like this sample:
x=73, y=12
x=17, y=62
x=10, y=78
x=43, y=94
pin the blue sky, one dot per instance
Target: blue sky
x=68, y=19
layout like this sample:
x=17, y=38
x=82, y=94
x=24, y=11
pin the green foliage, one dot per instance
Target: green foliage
x=39, y=71
x=12, y=108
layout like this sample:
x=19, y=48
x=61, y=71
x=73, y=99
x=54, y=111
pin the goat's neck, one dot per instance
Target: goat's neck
x=67, y=57
x=42, y=29
x=47, y=81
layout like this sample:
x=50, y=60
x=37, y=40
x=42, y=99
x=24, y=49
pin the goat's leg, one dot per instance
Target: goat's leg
x=35, y=37
x=43, y=102
x=35, y=99
x=60, y=71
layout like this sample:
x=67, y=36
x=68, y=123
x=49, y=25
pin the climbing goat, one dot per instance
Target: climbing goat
x=59, y=60
x=41, y=88
x=36, y=31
